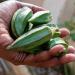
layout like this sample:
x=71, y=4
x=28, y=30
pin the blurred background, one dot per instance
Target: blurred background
x=63, y=12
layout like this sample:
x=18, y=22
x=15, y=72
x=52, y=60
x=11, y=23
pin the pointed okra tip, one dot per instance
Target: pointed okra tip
x=9, y=47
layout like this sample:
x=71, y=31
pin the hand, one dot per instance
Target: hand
x=45, y=58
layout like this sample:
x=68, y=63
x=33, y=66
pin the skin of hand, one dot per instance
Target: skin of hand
x=43, y=59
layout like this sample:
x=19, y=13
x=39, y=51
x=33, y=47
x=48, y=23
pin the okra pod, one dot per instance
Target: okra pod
x=20, y=21
x=40, y=17
x=32, y=39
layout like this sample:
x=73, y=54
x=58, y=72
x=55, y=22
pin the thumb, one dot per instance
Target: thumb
x=5, y=38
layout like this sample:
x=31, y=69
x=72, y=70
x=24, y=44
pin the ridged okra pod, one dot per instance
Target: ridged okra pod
x=40, y=17
x=59, y=41
x=19, y=23
x=32, y=39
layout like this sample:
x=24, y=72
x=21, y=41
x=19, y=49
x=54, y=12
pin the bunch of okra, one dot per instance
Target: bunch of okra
x=33, y=32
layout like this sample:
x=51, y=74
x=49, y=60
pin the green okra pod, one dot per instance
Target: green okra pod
x=32, y=39
x=40, y=17
x=20, y=22
x=58, y=41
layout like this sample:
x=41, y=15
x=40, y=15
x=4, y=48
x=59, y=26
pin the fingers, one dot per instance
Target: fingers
x=54, y=61
x=64, y=32
x=46, y=64
x=45, y=55
x=56, y=49
x=34, y=8
x=67, y=58
x=43, y=59
x=41, y=56
x=29, y=59
x=71, y=49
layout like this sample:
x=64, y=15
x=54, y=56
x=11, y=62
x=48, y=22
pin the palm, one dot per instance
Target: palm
x=7, y=10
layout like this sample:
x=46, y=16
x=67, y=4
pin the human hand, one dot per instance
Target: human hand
x=45, y=58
